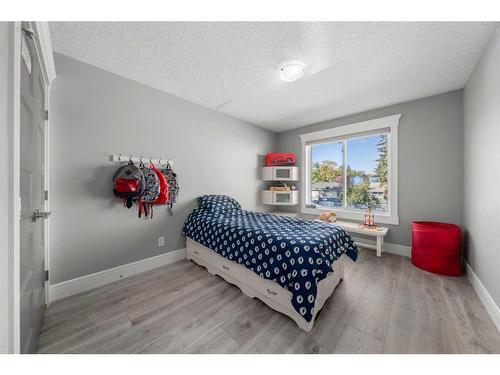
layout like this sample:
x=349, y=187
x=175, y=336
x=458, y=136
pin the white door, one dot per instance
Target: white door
x=33, y=196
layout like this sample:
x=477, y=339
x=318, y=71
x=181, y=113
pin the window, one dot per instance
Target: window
x=351, y=168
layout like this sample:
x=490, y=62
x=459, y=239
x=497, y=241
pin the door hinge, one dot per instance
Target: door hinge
x=46, y=195
x=46, y=115
x=46, y=275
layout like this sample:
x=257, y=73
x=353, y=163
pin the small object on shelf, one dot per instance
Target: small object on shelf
x=279, y=188
x=369, y=221
x=285, y=187
x=274, y=159
x=330, y=216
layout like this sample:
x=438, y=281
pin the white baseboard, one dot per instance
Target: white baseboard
x=485, y=297
x=387, y=248
x=94, y=280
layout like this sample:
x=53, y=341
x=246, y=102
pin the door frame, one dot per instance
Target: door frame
x=43, y=47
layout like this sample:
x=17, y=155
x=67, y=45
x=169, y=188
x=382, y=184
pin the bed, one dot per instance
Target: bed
x=292, y=265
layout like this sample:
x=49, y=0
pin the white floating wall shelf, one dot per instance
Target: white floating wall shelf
x=280, y=173
x=280, y=198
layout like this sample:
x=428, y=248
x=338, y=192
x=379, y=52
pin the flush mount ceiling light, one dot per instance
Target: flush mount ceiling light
x=292, y=71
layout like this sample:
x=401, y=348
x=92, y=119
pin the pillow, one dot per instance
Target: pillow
x=218, y=202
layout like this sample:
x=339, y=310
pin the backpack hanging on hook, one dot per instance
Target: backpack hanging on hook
x=173, y=186
x=128, y=184
x=163, y=196
x=151, y=191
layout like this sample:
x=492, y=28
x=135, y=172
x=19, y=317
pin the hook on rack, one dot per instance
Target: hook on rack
x=120, y=158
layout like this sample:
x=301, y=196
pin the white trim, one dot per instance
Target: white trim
x=15, y=193
x=391, y=248
x=47, y=202
x=483, y=294
x=358, y=127
x=95, y=280
x=391, y=122
x=43, y=45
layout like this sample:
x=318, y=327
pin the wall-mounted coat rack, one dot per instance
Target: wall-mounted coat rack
x=137, y=159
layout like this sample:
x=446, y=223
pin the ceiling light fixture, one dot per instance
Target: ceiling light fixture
x=292, y=71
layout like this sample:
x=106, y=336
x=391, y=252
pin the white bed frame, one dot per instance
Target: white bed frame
x=267, y=291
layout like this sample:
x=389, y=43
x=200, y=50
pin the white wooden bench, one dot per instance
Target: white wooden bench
x=379, y=233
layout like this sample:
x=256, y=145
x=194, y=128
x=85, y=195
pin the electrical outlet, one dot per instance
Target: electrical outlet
x=161, y=241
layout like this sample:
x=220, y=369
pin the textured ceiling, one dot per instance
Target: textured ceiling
x=233, y=67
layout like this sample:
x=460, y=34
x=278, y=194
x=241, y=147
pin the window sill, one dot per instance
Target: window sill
x=353, y=215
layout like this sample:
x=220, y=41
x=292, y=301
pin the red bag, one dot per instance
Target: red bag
x=163, y=196
x=276, y=159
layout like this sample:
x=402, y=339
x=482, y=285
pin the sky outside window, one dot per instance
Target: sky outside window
x=362, y=153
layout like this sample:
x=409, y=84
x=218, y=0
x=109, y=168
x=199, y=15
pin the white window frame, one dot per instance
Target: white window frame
x=348, y=131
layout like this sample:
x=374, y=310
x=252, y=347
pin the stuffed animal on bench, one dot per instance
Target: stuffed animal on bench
x=330, y=216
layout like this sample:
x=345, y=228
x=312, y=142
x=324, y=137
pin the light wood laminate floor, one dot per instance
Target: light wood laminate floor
x=384, y=305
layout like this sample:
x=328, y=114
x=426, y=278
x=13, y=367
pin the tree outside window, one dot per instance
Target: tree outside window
x=365, y=177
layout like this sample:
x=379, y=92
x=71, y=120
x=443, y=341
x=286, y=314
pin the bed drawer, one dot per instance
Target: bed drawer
x=221, y=265
x=269, y=289
x=232, y=269
x=197, y=251
x=255, y=286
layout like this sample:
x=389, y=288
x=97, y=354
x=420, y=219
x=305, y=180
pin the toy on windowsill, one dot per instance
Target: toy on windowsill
x=330, y=216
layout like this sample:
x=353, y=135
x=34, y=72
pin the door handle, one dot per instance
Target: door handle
x=40, y=215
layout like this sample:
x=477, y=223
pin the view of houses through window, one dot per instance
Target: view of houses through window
x=364, y=182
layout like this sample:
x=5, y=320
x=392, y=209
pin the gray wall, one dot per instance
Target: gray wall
x=95, y=113
x=430, y=158
x=481, y=167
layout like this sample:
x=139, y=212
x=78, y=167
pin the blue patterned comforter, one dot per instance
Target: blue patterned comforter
x=297, y=254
